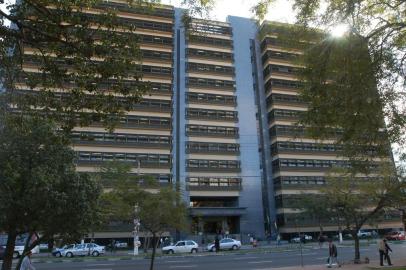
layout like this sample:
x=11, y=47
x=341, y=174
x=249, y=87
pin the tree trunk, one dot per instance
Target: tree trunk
x=151, y=267
x=8, y=256
x=357, y=255
x=26, y=248
x=403, y=219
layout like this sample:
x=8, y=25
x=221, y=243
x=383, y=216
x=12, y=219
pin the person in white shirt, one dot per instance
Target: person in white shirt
x=26, y=263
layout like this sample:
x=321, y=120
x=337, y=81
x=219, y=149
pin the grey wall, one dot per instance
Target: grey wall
x=251, y=196
x=179, y=104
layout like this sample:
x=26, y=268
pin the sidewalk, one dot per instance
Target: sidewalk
x=372, y=265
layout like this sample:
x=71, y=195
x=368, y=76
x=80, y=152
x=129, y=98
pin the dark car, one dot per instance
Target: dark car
x=2, y=252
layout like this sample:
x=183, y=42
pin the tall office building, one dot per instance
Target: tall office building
x=218, y=124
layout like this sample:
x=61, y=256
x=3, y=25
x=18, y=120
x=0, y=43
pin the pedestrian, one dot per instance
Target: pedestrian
x=332, y=254
x=384, y=252
x=321, y=240
x=278, y=239
x=217, y=243
x=26, y=264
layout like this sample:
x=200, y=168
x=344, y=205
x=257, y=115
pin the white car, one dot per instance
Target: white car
x=18, y=250
x=83, y=250
x=364, y=234
x=57, y=252
x=226, y=243
x=120, y=245
x=298, y=239
x=186, y=246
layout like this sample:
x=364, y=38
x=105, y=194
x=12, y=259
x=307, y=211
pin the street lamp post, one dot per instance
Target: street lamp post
x=136, y=229
x=300, y=244
x=136, y=218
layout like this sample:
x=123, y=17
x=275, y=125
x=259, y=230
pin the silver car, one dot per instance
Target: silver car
x=187, y=246
x=83, y=250
x=226, y=243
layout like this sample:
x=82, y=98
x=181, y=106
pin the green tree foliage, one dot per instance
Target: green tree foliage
x=343, y=101
x=41, y=193
x=82, y=48
x=161, y=213
x=315, y=206
x=160, y=210
x=381, y=27
x=359, y=201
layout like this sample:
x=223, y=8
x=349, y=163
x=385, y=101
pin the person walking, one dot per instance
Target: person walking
x=384, y=252
x=217, y=243
x=26, y=264
x=332, y=254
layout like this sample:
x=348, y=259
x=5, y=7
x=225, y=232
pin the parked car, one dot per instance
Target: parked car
x=57, y=252
x=120, y=244
x=226, y=243
x=181, y=247
x=301, y=238
x=19, y=245
x=395, y=235
x=2, y=251
x=43, y=246
x=364, y=234
x=83, y=250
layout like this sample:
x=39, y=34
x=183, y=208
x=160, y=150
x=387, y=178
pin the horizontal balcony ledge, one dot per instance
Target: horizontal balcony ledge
x=214, y=103
x=213, y=169
x=213, y=188
x=303, y=169
x=208, y=87
x=323, y=153
x=122, y=144
x=232, y=153
x=199, y=134
x=152, y=109
x=192, y=42
x=153, y=165
x=134, y=126
x=234, y=120
x=217, y=211
x=211, y=58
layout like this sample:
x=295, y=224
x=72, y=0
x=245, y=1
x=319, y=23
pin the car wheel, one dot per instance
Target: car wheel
x=16, y=255
x=194, y=250
x=234, y=247
x=212, y=249
x=58, y=254
x=95, y=253
x=69, y=254
x=170, y=251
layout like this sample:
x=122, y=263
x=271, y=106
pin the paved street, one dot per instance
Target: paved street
x=225, y=261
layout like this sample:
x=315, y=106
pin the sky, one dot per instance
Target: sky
x=280, y=10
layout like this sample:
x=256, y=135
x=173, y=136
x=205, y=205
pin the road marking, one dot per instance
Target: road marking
x=261, y=262
x=97, y=268
x=183, y=266
x=178, y=261
x=244, y=258
x=100, y=264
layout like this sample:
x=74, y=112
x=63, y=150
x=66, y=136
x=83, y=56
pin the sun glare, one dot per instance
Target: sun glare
x=339, y=30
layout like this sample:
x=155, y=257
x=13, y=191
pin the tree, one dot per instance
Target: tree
x=381, y=27
x=314, y=206
x=41, y=193
x=160, y=213
x=343, y=101
x=159, y=207
x=360, y=201
x=81, y=48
